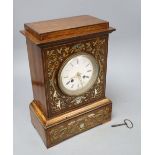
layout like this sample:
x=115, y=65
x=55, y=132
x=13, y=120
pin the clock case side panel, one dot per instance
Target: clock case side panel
x=55, y=96
x=37, y=75
x=106, y=61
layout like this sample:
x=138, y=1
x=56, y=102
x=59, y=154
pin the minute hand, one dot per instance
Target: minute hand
x=79, y=77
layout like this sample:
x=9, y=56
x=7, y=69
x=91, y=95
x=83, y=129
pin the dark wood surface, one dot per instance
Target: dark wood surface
x=39, y=61
x=55, y=56
x=58, y=129
x=65, y=28
x=37, y=75
x=45, y=61
x=49, y=44
x=52, y=28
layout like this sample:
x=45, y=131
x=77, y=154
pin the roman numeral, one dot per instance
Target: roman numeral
x=89, y=70
x=71, y=64
x=87, y=65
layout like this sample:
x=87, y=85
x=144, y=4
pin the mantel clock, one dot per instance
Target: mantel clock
x=68, y=63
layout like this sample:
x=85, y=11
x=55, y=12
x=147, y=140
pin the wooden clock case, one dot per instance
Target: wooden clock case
x=57, y=116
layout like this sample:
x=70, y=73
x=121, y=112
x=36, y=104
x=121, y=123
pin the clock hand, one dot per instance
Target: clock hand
x=79, y=77
x=76, y=75
x=67, y=82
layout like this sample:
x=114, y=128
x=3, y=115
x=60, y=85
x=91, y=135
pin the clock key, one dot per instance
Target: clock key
x=127, y=123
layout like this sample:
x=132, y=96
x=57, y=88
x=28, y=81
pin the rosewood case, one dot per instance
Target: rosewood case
x=57, y=116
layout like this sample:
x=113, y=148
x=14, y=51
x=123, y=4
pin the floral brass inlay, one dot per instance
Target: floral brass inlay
x=79, y=124
x=59, y=102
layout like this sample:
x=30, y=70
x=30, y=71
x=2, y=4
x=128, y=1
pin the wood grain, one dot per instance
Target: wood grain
x=58, y=129
x=58, y=29
x=37, y=75
x=52, y=28
x=55, y=116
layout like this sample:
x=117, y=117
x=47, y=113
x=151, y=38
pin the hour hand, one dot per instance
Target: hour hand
x=71, y=80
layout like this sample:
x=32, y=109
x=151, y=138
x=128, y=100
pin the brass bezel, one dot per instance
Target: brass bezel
x=90, y=83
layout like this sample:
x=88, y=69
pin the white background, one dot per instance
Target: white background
x=147, y=80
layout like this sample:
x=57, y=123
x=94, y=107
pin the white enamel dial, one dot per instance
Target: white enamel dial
x=78, y=74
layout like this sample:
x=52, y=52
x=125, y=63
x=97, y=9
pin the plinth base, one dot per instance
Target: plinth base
x=60, y=128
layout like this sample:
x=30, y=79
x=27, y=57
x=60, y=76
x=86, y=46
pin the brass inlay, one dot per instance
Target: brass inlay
x=59, y=119
x=58, y=101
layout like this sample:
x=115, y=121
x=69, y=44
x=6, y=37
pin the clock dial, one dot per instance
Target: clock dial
x=78, y=74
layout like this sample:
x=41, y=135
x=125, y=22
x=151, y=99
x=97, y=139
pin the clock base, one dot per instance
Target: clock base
x=60, y=128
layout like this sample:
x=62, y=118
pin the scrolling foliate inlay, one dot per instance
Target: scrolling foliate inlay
x=59, y=102
x=79, y=124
